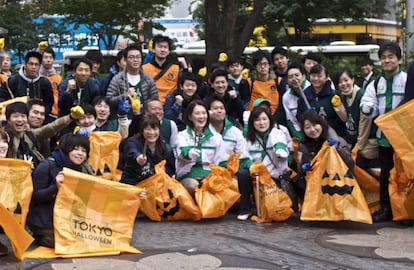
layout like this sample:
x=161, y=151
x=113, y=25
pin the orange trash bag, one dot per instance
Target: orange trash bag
x=332, y=192
x=94, y=216
x=401, y=192
x=233, y=163
x=20, y=239
x=166, y=198
x=216, y=195
x=16, y=187
x=369, y=186
x=104, y=154
x=4, y=104
x=274, y=204
x=397, y=127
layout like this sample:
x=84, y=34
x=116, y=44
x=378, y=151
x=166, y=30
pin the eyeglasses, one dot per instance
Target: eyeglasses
x=263, y=64
x=134, y=57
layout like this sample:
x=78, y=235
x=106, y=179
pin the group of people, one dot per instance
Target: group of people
x=280, y=116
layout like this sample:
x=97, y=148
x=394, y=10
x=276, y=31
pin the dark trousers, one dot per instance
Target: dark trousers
x=386, y=161
x=246, y=189
x=44, y=237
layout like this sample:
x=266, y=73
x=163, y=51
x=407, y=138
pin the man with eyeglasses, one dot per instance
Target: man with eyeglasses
x=131, y=89
x=28, y=82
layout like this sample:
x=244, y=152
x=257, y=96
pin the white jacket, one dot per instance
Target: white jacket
x=233, y=142
x=378, y=98
x=275, y=140
x=211, y=148
x=290, y=104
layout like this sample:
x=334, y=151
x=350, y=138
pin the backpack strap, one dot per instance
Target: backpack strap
x=29, y=138
x=278, y=80
x=376, y=83
x=251, y=86
x=162, y=72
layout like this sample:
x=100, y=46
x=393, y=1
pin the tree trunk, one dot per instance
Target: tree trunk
x=221, y=16
x=246, y=34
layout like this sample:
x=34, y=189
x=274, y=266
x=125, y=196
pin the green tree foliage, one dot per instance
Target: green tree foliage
x=106, y=18
x=228, y=25
x=17, y=19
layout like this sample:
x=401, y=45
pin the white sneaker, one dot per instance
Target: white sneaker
x=243, y=216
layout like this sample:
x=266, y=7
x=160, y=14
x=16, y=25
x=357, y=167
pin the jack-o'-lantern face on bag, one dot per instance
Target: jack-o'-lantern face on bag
x=332, y=192
x=337, y=184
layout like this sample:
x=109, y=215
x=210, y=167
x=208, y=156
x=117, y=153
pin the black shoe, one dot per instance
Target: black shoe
x=3, y=250
x=384, y=214
x=408, y=223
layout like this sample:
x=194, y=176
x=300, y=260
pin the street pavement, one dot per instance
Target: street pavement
x=226, y=243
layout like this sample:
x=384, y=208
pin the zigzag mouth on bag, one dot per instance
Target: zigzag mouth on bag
x=331, y=190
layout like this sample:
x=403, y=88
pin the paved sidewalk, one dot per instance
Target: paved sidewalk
x=226, y=243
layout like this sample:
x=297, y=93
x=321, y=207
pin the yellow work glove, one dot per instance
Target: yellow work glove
x=135, y=103
x=245, y=73
x=336, y=101
x=76, y=112
x=202, y=72
x=222, y=57
x=355, y=151
x=150, y=44
x=42, y=45
x=2, y=41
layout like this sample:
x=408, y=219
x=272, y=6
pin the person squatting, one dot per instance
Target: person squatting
x=280, y=115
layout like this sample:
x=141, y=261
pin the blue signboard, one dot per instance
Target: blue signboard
x=74, y=38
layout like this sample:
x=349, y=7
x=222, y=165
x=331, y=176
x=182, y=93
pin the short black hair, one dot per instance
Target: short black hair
x=160, y=38
x=69, y=141
x=50, y=51
x=35, y=101
x=33, y=54
x=259, y=55
x=88, y=109
x=214, y=98
x=98, y=99
x=393, y=47
x=297, y=66
x=339, y=73
x=131, y=47
x=319, y=68
x=189, y=76
x=82, y=60
x=280, y=50
x=218, y=73
x=233, y=60
x=16, y=107
x=94, y=56
x=367, y=61
x=312, y=56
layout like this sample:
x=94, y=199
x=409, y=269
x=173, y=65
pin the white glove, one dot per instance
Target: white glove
x=246, y=115
x=280, y=153
x=367, y=107
x=194, y=153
